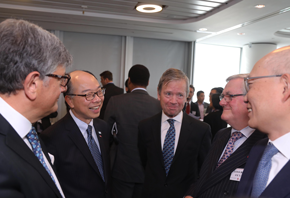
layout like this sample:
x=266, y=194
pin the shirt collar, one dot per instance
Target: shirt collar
x=247, y=131
x=20, y=123
x=139, y=88
x=177, y=118
x=82, y=125
x=282, y=144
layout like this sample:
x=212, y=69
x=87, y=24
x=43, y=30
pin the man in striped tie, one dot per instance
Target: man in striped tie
x=172, y=144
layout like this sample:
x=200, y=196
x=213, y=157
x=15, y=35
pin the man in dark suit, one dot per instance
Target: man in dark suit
x=111, y=90
x=267, y=173
x=190, y=107
x=127, y=111
x=32, y=64
x=172, y=144
x=202, y=106
x=80, y=141
x=221, y=171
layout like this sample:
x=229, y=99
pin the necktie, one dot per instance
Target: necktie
x=187, y=108
x=36, y=148
x=168, y=147
x=95, y=151
x=230, y=147
x=262, y=172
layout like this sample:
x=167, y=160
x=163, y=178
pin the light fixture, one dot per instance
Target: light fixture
x=259, y=6
x=149, y=8
x=202, y=29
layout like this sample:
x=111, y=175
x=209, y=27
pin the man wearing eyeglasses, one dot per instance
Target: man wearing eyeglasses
x=80, y=141
x=267, y=173
x=223, y=167
x=32, y=76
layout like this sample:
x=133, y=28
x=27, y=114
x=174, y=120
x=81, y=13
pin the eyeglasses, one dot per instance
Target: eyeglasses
x=90, y=96
x=246, y=80
x=63, y=79
x=229, y=97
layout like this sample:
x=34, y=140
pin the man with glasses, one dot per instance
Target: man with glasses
x=32, y=76
x=267, y=173
x=80, y=141
x=223, y=167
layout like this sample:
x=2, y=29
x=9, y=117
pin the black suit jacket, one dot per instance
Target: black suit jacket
x=127, y=111
x=193, y=109
x=193, y=146
x=111, y=90
x=215, y=122
x=216, y=182
x=77, y=171
x=21, y=173
x=279, y=186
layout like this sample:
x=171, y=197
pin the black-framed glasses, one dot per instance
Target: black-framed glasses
x=90, y=96
x=246, y=80
x=229, y=97
x=63, y=79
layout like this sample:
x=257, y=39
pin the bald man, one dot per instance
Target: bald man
x=80, y=141
x=267, y=172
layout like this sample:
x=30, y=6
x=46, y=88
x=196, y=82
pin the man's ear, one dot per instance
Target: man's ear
x=31, y=85
x=69, y=101
x=158, y=95
x=286, y=87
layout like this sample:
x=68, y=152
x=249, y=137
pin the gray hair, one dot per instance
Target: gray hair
x=24, y=48
x=172, y=75
x=238, y=76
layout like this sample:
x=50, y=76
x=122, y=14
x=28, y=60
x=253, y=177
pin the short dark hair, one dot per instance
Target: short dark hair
x=199, y=92
x=107, y=74
x=26, y=47
x=126, y=83
x=139, y=75
x=191, y=86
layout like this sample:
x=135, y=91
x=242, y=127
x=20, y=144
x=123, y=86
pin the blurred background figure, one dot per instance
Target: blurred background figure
x=191, y=108
x=127, y=87
x=202, y=106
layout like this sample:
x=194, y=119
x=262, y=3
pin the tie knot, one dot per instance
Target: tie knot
x=171, y=122
x=32, y=134
x=89, y=130
x=236, y=135
x=270, y=151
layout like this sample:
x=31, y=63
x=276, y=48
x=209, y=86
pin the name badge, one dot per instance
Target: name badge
x=237, y=174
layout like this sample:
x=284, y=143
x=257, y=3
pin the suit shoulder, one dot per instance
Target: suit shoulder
x=149, y=120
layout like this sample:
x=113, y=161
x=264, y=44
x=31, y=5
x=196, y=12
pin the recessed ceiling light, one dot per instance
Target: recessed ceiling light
x=241, y=34
x=149, y=8
x=202, y=29
x=259, y=6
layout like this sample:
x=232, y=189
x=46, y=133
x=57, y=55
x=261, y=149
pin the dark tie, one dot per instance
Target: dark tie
x=230, y=147
x=262, y=172
x=187, y=108
x=168, y=147
x=36, y=148
x=95, y=151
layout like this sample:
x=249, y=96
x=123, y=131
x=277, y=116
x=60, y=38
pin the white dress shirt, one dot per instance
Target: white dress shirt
x=282, y=157
x=83, y=128
x=247, y=132
x=139, y=88
x=165, y=126
x=22, y=126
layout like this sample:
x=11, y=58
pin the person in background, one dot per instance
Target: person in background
x=127, y=110
x=267, y=173
x=111, y=90
x=32, y=76
x=191, y=108
x=224, y=164
x=215, y=90
x=202, y=106
x=126, y=87
x=172, y=145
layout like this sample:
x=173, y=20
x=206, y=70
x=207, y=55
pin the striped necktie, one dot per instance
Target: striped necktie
x=168, y=147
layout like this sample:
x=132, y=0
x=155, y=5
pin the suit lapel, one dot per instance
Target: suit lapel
x=237, y=159
x=15, y=143
x=76, y=136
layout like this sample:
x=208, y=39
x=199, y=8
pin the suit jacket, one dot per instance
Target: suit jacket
x=111, y=90
x=216, y=182
x=193, y=109
x=205, y=105
x=21, y=173
x=279, y=186
x=127, y=111
x=78, y=173
x=193, y=146
x=215, y=122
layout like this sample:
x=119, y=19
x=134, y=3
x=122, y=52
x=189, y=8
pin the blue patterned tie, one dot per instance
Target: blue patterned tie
x=95, y=151
x=262, y=172
x=230, y=147
x=36, y=148
x=168, y=147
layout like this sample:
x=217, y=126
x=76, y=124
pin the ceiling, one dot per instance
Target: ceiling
x=180, y=19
